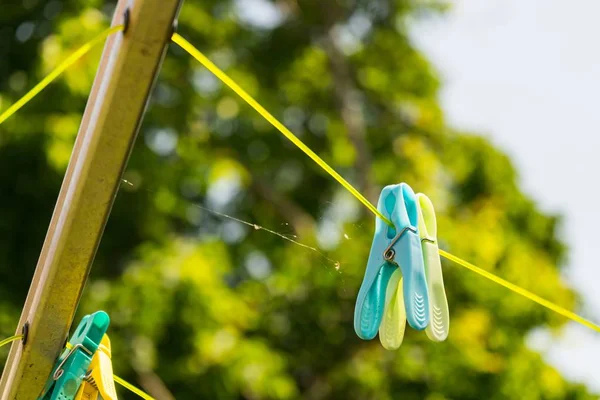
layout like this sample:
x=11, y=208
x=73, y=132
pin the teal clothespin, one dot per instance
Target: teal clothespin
x=392, y=248
x=72, y=365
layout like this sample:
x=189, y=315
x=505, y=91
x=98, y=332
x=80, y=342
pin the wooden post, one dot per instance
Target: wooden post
x=130, y=63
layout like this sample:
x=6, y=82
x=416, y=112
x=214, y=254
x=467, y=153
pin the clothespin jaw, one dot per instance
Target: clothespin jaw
x=393, y=323
x=99, y=383
x=72, y=365
x=393, y=247
x=439, y=325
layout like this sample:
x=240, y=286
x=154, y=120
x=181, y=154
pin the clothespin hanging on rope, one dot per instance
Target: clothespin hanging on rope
x=394, y=247
x=438, y=327
x=99, y=383
x=393, y=323
x=72, y=365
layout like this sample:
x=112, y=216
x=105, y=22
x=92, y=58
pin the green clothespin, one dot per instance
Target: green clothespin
x=72, y=365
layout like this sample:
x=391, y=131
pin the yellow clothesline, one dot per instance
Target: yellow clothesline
x=11, y=339
x=76, y=55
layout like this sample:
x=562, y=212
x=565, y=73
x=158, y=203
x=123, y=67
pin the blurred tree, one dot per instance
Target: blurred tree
x=205, y=307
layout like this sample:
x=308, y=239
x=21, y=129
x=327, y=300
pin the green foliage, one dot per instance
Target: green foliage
x=218, y=309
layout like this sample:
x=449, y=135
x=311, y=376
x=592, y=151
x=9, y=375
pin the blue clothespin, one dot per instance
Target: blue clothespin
x=72, y=365
x=392, y=248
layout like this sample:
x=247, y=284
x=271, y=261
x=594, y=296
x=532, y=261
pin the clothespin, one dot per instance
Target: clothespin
x=99, y=383
x=438, y=328
x=394, y=247
x=72, y=365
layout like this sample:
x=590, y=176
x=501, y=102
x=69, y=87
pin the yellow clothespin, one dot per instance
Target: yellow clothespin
x=99, y=383
x=439, y=324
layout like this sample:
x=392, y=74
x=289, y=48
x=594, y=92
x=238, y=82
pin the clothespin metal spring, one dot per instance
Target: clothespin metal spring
x=389, y=254
x=59, y=370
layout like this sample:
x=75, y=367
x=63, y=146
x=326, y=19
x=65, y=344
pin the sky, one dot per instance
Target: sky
x=525, y=74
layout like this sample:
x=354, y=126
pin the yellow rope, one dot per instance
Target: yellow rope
x=58, y=70
x=132, y=388
x=523, y=292
x=10, y=340
x=194, y=52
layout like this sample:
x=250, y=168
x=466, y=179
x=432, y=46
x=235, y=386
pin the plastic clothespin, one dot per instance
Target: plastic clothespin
x=72, y=365
x=438, y=328
x=99, y=383
x=392, y=248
